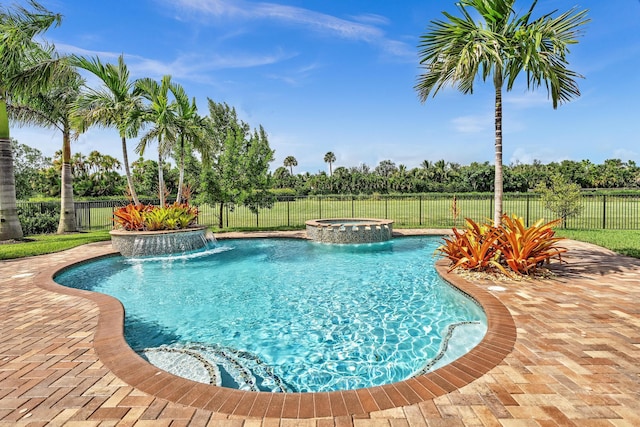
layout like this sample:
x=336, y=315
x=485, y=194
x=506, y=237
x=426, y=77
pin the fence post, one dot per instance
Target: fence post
x=420, y=209
x=604, y=211
x=320, y=206
x=288, y=221
x=353, y=210
x=386, y=207
x=527, y=218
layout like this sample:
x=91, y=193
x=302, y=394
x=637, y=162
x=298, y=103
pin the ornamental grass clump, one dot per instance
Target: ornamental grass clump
x=152, y=218
x=510, y=248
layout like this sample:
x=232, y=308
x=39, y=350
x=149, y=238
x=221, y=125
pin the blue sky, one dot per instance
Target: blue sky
x=339, y=76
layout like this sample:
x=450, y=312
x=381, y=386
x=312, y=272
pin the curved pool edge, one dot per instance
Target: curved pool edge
x=116, y=355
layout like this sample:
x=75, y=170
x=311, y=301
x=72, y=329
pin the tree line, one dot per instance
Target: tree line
x=97, y=175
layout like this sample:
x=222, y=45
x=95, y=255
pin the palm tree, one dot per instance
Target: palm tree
x=18, y=28
x=53, y=109
x=191, y=128
x=290, y=162
x=162, y=114
x=501, y=45
x=113, y=105
x=330, y=158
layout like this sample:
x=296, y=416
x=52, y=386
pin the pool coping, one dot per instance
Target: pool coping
x=113, y=351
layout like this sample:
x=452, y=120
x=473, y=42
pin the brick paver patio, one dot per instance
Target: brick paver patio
x=575, y=360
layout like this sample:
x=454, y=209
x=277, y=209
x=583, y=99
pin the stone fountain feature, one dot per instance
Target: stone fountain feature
x=163, y=242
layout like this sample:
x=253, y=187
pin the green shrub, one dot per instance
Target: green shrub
x=39, y=218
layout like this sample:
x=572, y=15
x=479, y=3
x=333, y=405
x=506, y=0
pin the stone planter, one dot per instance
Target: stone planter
x=162, y=242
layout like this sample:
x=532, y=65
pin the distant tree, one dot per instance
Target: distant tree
x=290, y=162
x=500, y=46
x=330, y=158
x=386, y=168
x=27, y=162
x=561, y=197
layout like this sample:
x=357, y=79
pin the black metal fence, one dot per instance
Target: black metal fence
x=423, y=211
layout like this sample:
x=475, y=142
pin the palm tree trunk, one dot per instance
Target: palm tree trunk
x=498, y=180
x=67, y=208
x=127, y=171
x=181, y=177
x=10, y=227
x=220, y=223
x=161, y=180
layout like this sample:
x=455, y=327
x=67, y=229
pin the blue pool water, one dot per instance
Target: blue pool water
x=290, y=315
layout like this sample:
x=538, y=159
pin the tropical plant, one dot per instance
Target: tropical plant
x=113, y=105
x=24, y=70
x=500, y=47
x=53, y=109
x=191, y=129
x=131, y=217
x=162, y=114
x=523, y=248
x=487, y=248
x=152, y=218
x=474, y=248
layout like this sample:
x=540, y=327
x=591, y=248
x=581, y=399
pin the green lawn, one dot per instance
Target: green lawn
x=49, y=243
x=626, y=242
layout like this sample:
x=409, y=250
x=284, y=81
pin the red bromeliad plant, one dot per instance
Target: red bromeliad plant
x=131, y=217
x=482, y=247
x=151, y=218
x=525, y=248
x=473, y=249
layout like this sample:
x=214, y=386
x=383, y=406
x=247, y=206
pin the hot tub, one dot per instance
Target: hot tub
x=349, y=230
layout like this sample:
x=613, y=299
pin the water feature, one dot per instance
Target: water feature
x=349, y=230
x=164, y=242
x=290, y=315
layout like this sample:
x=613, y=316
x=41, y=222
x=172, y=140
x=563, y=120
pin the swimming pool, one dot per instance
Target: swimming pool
x=290, y=315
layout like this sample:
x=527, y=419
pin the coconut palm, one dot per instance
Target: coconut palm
x=500, y=46
x=162, y=115
x=112, y=105
x=191, y=128
x=330, y=158
x=290, y=162
x=19, y=74
x=53, y=109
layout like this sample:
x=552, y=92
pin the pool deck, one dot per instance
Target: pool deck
x=563, y=351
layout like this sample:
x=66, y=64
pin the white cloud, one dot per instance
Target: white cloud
x=472, y=124
x=361, y=28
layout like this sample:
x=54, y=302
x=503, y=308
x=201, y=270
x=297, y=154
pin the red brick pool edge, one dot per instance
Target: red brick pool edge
x=117, y=356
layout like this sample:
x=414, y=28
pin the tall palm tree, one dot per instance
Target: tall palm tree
x=330, y=158
x=113, y=105
x=501, y=45
x=161, y=113
x=53, y=109
x=18, y=29
x=191, y=128
x=290, y=162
